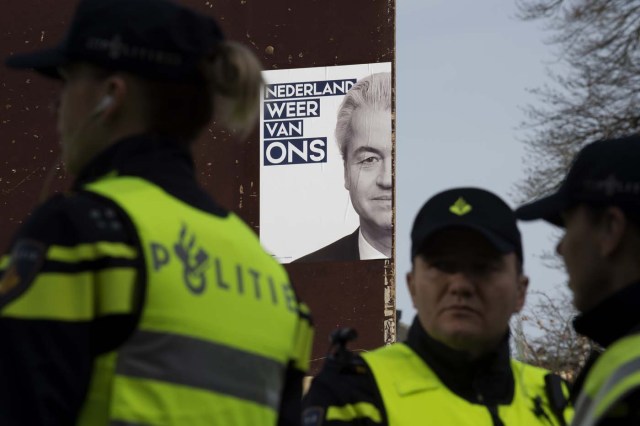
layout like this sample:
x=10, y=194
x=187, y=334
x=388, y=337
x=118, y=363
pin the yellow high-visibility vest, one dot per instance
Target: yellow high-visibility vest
x=614, y=375
x=219, y=323
x=413, y=394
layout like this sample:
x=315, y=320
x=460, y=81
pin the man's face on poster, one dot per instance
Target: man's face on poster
x=368, y=166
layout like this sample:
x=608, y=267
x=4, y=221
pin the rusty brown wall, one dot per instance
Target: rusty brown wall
x=284, y=34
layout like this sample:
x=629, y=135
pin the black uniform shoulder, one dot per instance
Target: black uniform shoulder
x=339, y=384
x=345, y=380
x=351, y=375
x=69, y=234
x=76, y=218
x=625, y=411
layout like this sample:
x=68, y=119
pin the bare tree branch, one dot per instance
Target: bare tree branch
x=544, y=336
x=598, y=42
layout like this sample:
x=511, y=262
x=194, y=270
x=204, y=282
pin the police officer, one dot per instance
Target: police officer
x=455, y=368
x=136, y=298
x=598, y=205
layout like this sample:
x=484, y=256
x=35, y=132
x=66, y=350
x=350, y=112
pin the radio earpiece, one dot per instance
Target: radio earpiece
x=102, y=105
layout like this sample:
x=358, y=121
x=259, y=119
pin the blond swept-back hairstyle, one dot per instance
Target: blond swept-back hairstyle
x=373, y=91
x=228, y=91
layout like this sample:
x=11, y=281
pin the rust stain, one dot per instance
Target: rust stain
x=389, y=302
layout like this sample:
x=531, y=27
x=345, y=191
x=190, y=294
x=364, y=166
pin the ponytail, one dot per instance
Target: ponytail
x=235, y=80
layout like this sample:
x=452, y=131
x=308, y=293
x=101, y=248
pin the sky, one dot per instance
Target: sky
x=463, y=69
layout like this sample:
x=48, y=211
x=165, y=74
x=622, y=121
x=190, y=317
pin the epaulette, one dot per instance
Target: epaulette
x=97, y=218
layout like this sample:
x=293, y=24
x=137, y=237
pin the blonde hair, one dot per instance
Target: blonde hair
x=235, y=80
x=373, y=91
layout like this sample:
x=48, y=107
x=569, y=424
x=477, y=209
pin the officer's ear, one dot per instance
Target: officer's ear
x=613, y=227
x=411, y=284
x=128, y=110
x=521, y=295
x=116, y=89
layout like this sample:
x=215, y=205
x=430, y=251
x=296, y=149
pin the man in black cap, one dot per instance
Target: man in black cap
x=598, y=205
x=455, y=368
x=135, y=298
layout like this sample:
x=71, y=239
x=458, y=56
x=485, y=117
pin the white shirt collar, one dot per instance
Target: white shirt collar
x=367, y=251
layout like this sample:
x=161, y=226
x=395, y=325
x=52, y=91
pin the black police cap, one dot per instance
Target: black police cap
x=472, y=208
x=152, y=38
x=606, y=172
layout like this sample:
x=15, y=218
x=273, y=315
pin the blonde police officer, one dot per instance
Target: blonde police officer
x=136, y=299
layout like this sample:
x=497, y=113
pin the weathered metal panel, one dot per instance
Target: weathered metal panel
x=284, y=34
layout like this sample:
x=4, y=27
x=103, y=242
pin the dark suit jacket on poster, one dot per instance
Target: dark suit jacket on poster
x=346, y=248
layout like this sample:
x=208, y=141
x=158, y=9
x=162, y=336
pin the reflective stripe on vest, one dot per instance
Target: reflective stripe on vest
x=85, y=282
x=204, y=365
x=218, y=326
x=353, y=412
x=411, y=390
x=614, y=375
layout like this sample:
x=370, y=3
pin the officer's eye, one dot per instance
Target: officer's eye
x=481, y=269
x=485, y=268
x=444, y=265
x=478, y=269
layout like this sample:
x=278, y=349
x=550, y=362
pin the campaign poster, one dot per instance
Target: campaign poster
x=326, y=158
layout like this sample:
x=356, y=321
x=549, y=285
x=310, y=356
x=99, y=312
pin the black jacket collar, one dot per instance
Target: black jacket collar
x=165, y=162
x=138, y=155
x=613, y=318
x=487, y=380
